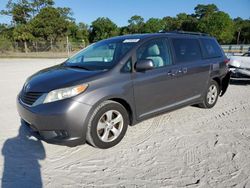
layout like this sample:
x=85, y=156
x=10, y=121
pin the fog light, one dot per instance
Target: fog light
x=62, y=134
x=54, y=134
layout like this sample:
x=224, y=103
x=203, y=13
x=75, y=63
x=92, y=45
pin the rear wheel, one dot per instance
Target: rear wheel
x=107, y=125
x=211, y=95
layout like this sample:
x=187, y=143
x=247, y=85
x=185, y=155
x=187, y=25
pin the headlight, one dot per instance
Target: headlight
x=65, y=93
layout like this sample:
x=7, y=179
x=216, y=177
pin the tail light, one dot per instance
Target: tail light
x=226, y=61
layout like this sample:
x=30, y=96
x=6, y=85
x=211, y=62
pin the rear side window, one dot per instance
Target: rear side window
x=186, y=50
x=211, y=48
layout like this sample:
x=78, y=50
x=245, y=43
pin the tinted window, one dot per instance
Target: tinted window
x=187, y=50
x=211, y=48
x=156, y=50
x=128, y=66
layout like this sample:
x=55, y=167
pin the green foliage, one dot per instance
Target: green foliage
x=65, y=13
x=242, y=31
x=83, y=33
x=49, y=24
x=5, y=44
x=214, y=22
x=246, y=32
x=103, y=28
x=219, y=25
x=24, y=10
x=20, y=11
x=169, y=23
x=202, y=11
x=37, y=5
x=6, y=31
x=78, y=32
x=186, y=22
x=153, y=25
x=182, y=21
x=136, y=24
x=39, y=20
x=23, y=32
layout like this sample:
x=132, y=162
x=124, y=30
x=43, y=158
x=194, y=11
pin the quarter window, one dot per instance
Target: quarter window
x=186, y=50
x=128, y=66
x=211, y=48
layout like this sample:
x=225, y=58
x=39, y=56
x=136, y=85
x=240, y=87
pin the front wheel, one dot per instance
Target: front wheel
x=211, y=95
x=107, y=125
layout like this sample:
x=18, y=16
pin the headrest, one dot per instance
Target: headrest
x=154, y=50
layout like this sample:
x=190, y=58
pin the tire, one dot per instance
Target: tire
x=107, y=125
x=211, y=95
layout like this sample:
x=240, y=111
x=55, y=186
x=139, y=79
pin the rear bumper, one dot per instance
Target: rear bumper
x=62, y=122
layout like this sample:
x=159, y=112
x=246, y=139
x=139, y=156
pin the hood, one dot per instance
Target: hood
x=56, y=77
x=240, y=62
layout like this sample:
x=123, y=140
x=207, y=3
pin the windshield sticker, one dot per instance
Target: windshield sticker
x=131, y=40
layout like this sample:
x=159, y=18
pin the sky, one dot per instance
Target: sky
x=119, y=11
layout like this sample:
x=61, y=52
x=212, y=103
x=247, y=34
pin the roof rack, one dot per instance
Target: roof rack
x=186, y=32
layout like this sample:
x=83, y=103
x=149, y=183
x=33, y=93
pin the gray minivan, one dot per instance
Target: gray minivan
x=94, y=95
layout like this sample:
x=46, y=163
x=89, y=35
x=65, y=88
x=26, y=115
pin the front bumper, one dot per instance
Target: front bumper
x=61, y=122
x=239, y=73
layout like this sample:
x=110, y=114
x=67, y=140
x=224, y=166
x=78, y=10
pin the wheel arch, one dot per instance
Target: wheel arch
x=127, y=106
x=218, y=80
x=223, y=83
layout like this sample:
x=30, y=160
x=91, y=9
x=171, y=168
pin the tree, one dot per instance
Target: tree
x=49, y=24
x=186, y=22
x=5, y=44
x=153, y=25
x=5, y=38
x=78, y=32
x=20, y=11
x=6, y=31
x=37, y=5
x=202, y=11
x=66, y=13
x=219, y=25
x=182, y=21
x=242, y=31
x=83, y=33
x=103, y=28
x=169, y=23
x=136, y=24
x=214, y=22
x=24, y=10
x=124, y=30
x=23, y=33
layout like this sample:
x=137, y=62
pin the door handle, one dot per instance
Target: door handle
x=172, y=72
x=177, y=72
x=184, y=70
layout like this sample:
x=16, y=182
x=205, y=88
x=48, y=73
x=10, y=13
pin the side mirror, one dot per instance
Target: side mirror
x=144, y=65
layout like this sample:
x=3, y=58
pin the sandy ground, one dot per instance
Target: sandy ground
x=189, y=147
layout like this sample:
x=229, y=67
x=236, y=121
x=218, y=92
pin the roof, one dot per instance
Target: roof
x=151, y=35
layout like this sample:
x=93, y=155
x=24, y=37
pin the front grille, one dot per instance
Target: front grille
x=30, y=97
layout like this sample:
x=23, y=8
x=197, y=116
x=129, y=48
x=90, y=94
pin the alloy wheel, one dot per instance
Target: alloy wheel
x=110, y=126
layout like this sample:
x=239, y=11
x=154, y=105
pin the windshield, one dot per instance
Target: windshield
x=100, y=56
